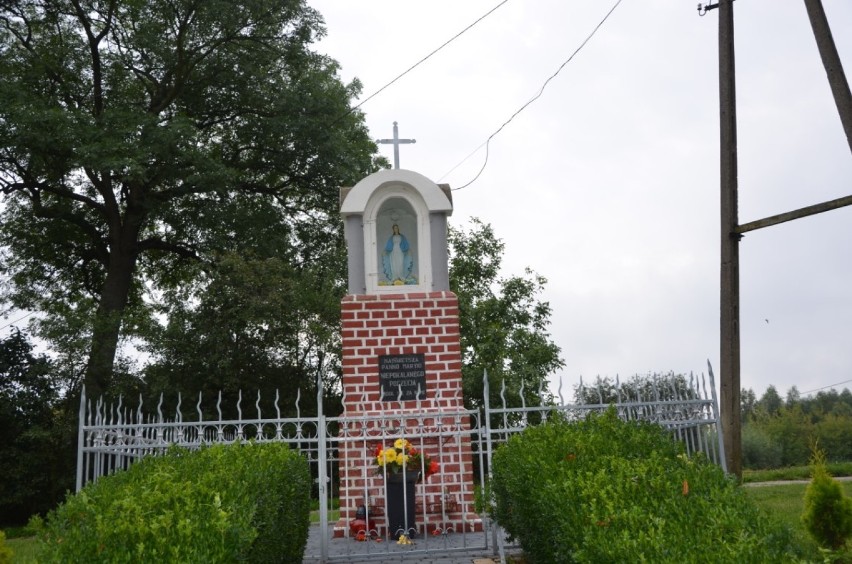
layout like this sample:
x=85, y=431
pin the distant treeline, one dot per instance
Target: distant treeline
x=778, y=432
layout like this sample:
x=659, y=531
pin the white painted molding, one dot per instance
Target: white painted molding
x=357, y=199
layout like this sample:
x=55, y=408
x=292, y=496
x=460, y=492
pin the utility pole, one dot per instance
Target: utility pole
x=729, y=359
x=731, y=231
x=833, y=66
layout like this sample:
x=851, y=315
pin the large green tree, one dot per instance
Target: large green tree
x=36, y=439
x=257, y=325
x=143, y=140
x=504, y=323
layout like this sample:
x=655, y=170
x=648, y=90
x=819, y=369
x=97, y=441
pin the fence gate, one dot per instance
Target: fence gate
x=111, y=437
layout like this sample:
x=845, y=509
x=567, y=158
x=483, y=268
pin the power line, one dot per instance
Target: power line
x=418, y=63
x=824, y=388
x=533, y=99
x=19, y=319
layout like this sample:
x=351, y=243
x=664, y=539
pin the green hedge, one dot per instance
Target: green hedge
x=604, y=490
x=248, y=502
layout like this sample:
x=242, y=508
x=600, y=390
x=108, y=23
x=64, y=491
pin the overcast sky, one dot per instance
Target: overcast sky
x=608, y=185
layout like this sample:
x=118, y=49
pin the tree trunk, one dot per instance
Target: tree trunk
x=106, y=329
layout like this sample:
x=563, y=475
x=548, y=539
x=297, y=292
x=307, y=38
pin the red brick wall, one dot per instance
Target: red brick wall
x=395, y=324
x=389, y=324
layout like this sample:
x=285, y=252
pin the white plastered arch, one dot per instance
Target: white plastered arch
x=366, y=200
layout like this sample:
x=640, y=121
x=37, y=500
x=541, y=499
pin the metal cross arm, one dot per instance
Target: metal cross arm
x=396, y=142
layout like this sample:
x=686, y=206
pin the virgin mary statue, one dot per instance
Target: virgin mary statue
x=396, y=260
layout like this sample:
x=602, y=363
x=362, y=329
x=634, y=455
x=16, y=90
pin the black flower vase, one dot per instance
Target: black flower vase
x=399, y=501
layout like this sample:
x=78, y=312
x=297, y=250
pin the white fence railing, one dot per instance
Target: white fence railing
x=111, y=438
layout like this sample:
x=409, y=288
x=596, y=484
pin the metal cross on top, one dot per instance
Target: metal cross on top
x=396, y=141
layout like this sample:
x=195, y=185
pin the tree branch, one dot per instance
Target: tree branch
x=43, y=212
x=156, y=244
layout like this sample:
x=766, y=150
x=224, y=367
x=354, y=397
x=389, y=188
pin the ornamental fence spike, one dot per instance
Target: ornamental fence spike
x=486, y=389
x=219, y=405
x=178, y=414
x=239, y=404
x=257, y=404
x=278, y=397
x=617, y=389
x=559, y=391
x=198, y=408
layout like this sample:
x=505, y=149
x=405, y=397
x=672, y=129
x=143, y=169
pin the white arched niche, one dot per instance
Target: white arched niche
x=419, y=208
x=397, y=241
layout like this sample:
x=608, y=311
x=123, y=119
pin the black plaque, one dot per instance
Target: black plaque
x=405, y=371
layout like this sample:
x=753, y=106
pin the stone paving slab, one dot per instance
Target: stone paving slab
x=454, y=548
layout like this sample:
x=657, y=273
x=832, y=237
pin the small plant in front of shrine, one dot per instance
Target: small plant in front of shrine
x=403, y=455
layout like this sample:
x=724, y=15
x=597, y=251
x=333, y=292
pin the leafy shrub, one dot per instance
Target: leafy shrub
x=5, y=551
x=604, y=490
x=828, y=512
x=219, y=504
x=834, y=433
x=760, y=452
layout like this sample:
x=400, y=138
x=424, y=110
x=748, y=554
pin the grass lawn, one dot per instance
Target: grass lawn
x=23, y=549
x=786, y=502
x=795, y=472
x=333, y=515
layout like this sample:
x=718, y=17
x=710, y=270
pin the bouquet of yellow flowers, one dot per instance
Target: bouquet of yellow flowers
x=403, y=455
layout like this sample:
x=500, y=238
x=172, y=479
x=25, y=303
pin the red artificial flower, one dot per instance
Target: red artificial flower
x=433, y=467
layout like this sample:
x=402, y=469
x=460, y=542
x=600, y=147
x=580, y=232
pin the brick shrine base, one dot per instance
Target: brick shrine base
x=434, y=524
x=415, y=323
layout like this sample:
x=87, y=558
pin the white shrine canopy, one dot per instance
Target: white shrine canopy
x=396, y=233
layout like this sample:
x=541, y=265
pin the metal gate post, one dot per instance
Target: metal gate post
x=80, y=461
x=496, y=535
x=322, y=478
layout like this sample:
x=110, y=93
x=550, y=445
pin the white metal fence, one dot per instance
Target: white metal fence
x=113, y=437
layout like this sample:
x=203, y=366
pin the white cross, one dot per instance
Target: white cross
x=396, y=141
